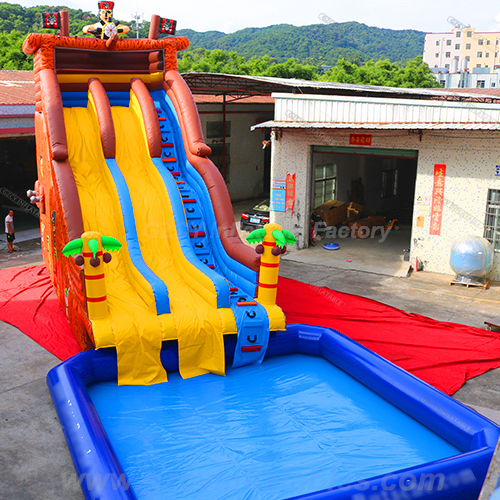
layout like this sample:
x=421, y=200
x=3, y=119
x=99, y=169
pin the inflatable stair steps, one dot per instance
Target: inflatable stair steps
x=194, y=215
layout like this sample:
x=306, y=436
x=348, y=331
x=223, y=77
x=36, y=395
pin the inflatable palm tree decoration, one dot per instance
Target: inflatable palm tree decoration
x=89, y=249
x=273, y=240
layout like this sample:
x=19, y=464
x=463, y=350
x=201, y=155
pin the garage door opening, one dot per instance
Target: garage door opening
x=380, y=186
x=18, y=173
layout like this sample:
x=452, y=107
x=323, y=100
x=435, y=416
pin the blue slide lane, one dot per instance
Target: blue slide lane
x=159, y=288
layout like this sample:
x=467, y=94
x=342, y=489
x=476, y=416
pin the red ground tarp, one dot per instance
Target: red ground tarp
x=29, y=302
x=443, y=354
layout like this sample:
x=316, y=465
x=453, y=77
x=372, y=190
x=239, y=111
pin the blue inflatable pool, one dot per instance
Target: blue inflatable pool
x=321, y=418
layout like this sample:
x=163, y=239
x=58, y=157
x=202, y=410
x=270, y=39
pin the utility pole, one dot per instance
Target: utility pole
x=138, y=18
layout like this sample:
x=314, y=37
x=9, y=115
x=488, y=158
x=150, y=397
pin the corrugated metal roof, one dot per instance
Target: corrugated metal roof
x=493, y=93
x=307, y=111
x=216, y=83
x=217, y=99
x=380, y=126
x=17, y=87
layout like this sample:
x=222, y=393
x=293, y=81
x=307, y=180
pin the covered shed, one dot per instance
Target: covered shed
x=434, y=164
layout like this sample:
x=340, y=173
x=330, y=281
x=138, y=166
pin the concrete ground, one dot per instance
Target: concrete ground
x=379, y=253
x=34, y=459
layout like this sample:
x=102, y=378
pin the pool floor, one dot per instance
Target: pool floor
x=291, y=426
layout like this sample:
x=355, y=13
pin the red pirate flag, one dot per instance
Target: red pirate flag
x=167, y=26
x=51, y=20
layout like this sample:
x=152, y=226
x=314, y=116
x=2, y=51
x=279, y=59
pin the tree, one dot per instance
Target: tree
x=415, y=74
x=11, y=53
x=292, y=69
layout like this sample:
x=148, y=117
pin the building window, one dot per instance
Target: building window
x=216, y=157
x=437, y=42
x=487, y=42
x=493, y=84
x=492, y=219
x=467, y=58
x=447, y=66
x=437, y=54
x=325, y=183
x=389, y=183
x=215, y=129
x=487, y=54
x=478, y=65
x=480, y=41
x=480, y=84
x=448, y=54
x=457, y=46
x=467, y=46
x=458, y=34
x=448, y=42
x=469, y=34
x=479, y=54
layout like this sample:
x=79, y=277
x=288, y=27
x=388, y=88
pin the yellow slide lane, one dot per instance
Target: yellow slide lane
x=199, y=324
x=135, y=328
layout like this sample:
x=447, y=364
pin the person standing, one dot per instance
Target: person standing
x=10, y=231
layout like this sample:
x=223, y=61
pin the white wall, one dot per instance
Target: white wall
x=246, y=172
x=470, y=158
x=435, y=50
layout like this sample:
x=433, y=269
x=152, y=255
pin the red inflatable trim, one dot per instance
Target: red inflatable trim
x=104, y=117
x=150, y=115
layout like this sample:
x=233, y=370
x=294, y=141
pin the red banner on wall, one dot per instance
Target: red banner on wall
x=437, y=199
x=290, y=191
x=360, y=139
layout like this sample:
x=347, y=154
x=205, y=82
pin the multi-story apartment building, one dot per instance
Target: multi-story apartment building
x=461, y=51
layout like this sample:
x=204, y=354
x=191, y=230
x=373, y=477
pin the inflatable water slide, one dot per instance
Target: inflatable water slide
x=121, y=158
x=139, y=238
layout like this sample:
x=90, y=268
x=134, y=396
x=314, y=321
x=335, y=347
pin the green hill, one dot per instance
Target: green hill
x=315, y=44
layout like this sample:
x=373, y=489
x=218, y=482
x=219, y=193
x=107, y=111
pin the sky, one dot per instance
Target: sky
x=232, y=15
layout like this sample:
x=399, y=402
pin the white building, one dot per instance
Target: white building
x=445, y=50
x=464, y=58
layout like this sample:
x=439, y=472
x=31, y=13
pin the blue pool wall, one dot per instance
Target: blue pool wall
x=464, y=474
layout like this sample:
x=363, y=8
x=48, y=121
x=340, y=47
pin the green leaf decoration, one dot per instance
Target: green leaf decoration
x=289, y=237
x=94, y=245
x=73, y=247
x=256, y=236
x=110, y=244
x=278, y=236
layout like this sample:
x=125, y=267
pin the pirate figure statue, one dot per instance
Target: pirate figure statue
x=105, y=28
